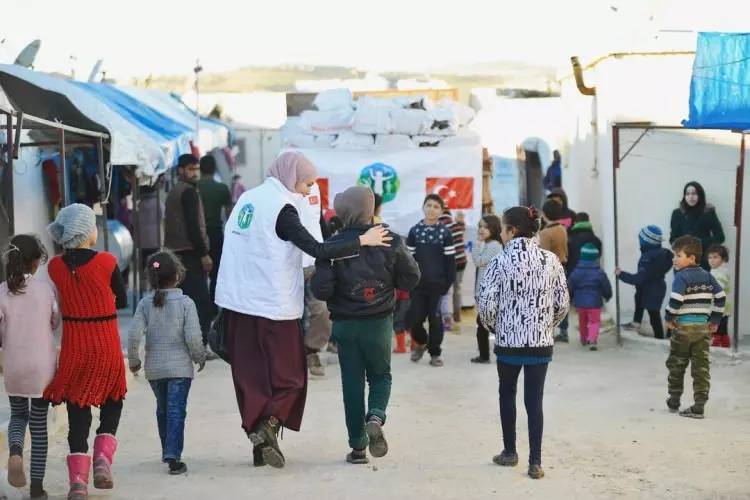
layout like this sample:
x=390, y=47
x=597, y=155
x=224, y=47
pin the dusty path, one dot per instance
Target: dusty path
x=607, y=434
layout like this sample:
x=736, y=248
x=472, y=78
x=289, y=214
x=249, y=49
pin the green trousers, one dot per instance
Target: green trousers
x=689, y=345
x=364, y=348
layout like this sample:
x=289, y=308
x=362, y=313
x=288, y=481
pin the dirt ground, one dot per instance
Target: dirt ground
x=607, y=435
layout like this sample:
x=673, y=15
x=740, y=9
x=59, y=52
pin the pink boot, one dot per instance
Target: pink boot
x=79, y=465
x=104, y=451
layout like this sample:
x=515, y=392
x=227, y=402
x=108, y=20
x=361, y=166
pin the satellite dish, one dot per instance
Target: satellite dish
x=95, y=70
x=28, y=54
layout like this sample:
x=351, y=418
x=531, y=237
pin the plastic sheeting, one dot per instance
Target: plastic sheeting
x=212, y=135
x=720, y=86
x=129, y=144
x=173, y=137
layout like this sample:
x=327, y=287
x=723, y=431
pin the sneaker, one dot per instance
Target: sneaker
x=378, y=444
x=436, y=361
x=357, y=457
x=631, y=326
x=316, y=367
x=176, y=467
x=418, y=351
x=506, y=459
x=266, y=434
x=480, y=360
x=693, y=412
x=536, y=471
x=210, y=355
x=593, y=346
x=673, y=404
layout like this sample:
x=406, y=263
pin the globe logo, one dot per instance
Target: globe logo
x=245, y=216
x=382, y=179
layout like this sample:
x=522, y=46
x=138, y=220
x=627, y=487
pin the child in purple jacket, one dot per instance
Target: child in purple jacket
x=590, y=288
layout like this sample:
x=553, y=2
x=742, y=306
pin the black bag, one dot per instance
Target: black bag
x=217, y=336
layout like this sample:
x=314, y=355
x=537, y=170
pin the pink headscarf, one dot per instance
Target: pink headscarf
x=292, y=167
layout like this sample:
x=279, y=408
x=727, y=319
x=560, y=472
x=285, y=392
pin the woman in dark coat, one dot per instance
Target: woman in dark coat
x=697, y=218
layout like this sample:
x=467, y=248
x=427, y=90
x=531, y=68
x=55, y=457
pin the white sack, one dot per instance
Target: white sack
x=349, y=140
x=394, y=142
x=410, y=121
x=372, y=120
x=326, y=121
x=333, y=99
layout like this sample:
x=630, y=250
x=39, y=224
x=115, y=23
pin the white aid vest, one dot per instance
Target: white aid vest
x=310, y=217
x=260, y=274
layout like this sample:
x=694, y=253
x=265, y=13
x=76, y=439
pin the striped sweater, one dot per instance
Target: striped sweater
x=432, y=247
x=457, y=230
x=697, y=298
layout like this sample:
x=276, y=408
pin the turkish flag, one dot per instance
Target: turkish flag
x=457, y=192
x=323, y=186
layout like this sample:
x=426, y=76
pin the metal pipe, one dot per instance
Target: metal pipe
x=578, y=73
x=158, y=186
x=738, y=249
x=9, y=194
x=17, y=141
x=136, y=244
x=615, y=168
x=63, y=170
x=104, y=195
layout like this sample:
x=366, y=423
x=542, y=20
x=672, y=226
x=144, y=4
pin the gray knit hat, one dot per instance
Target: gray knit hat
x=73, y=225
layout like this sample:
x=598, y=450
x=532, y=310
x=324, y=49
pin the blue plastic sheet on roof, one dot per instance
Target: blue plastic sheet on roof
x=720, y=86
x=173, y=137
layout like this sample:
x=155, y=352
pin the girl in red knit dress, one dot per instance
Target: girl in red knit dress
x=91, y=370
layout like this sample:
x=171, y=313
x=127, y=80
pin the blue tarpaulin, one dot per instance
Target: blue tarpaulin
x=173, y=137
x=720, y=86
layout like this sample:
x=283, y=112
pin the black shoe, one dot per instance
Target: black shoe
x=176, y=467
x=673, y=404
x=536, y=471
x=480, y=360
x=506, y=459
x=562, y=337
x=357, y=457
x=258, y=456
x=265, y=434
x=693, y=412
x=37, y=491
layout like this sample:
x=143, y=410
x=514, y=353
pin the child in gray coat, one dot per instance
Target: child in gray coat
x=174, y=342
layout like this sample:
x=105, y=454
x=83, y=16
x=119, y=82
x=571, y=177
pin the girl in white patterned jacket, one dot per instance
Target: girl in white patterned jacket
x=522, y=298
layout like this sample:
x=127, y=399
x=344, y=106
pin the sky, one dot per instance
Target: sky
x=142, y=37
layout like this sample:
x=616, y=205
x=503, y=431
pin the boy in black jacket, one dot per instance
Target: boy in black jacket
x=431, y=243
x=359, y=291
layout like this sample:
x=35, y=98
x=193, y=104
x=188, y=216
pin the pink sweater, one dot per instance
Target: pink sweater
x=27, y=324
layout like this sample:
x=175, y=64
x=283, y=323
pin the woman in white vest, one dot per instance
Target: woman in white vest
x=260, y=286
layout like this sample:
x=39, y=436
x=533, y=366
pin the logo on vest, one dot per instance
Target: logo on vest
x=382, y=179
x=246, y=216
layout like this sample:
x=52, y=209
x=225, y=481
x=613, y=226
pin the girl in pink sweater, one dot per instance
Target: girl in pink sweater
x=28, y=317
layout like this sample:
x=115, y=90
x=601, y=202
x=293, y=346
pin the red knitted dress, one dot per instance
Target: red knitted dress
x=91, y=368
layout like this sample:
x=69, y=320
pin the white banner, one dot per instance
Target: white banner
x=403, y=178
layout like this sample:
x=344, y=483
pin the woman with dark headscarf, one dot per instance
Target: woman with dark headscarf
x=360, y=295
x=697, y=218
x=260, y=286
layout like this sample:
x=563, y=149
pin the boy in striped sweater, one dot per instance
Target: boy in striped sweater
x=694, y=312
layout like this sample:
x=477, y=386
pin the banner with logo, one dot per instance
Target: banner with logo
x=403, y=178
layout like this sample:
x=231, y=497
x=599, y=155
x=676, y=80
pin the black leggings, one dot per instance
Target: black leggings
x=654, y=316
x=483, y=340
x=533, y=394
x=79, y=423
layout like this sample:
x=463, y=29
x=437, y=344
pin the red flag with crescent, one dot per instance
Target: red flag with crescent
x=323, y=186
x=457, y=192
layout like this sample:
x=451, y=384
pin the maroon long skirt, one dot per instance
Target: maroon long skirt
x=269, y=368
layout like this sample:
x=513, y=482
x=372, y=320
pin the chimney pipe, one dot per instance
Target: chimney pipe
x=578, y=73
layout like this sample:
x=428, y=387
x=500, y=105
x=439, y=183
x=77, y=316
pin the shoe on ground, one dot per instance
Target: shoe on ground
x=584, y=343
x=177, y=467
x=418, y=351
x=378, y=445
x=631, y=326
x=436, y=361
x=645, y=333
x=357, y=457
x=562, y=337
x=480, y=360
x=37, y=491
x=258, y=456
x=506, y=459
x=536, y=471
x=693, y=412
x=673, y=404
x=316, y=367
x=210, y=355
x=16, y=475
x=593, y=346
x=266, y=434
x=332, y=348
